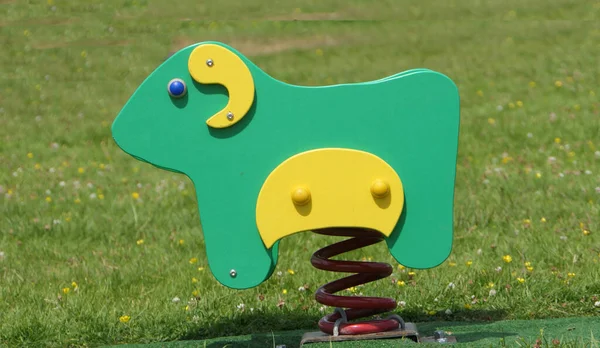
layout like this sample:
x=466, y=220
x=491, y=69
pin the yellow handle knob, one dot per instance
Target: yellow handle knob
x=301, y=196
x=380, y=188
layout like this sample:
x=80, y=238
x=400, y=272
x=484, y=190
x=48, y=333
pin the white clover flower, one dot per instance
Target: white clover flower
x=492, y=292
x=451, y=286
x=175, y=299
x=448, y=311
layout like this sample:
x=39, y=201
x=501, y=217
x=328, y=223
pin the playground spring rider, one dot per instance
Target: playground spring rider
x=374, y=161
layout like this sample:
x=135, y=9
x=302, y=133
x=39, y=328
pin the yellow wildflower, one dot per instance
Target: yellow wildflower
x=527, y=264
x=506, y=159
x=521, y=280
x=538, y=175
x=48, y=199
x=80, y=170
x=135, y=195
x=195, y=293
x=526, y=221
x=431, y=312
x=529, y=268
x=74, y=285
x=290, y=271
x=37, y=166
x=543, y=219
x=194, y=280
x=187, y=308
x=532, y=84
x=284, y=291
x=491, y=284
x=77, y=200
x=558, y=83
x=511, y=105
x=452, y=264
x=124, y=319
x=181, y=241
x=411, y=274
x=100, y=196
x=200, y=269
x=491, y=121
x=319, y=52
x=468, y=306
x=571, y=275
x=519, y=103
x=507, y=258
x=140, y=242
x=586, y=232
x=557, y=140
x=66, y=290
x=400, y=283
x=29, y=155
x=400, y=267
x=480, y=93
x=469, y=263
x=193, y=260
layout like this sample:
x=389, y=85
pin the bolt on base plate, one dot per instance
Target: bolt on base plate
x=409, y=332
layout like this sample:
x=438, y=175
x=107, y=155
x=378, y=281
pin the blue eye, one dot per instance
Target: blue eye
x=176, y=88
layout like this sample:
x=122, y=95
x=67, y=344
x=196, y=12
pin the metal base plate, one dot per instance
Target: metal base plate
x=409, y=332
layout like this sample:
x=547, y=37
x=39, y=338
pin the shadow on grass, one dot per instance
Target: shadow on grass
x=287, y=327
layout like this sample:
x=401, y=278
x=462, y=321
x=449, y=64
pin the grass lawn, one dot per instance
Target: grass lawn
x=97, y=248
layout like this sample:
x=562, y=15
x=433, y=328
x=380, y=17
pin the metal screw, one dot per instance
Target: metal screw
x=232, y=273
x=209, y=62
x=230, y=116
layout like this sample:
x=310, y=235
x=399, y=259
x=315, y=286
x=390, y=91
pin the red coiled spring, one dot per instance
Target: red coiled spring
x=358, y=306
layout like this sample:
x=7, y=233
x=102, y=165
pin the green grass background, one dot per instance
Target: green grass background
x=75, y=208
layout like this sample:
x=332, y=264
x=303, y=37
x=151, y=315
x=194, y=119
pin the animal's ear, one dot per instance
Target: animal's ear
x=211, y=63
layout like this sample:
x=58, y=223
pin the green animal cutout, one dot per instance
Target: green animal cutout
x=209, y=113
